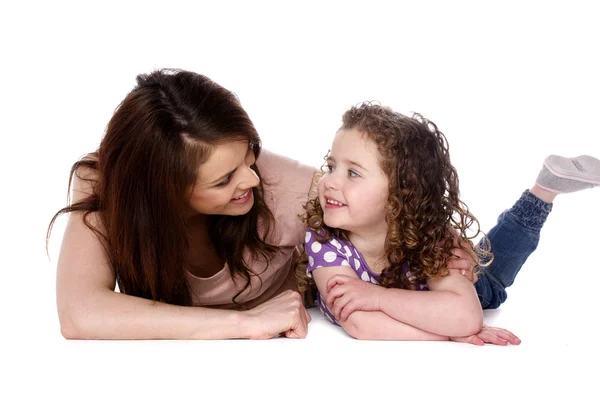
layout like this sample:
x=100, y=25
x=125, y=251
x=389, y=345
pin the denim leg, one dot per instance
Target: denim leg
x=512, y=240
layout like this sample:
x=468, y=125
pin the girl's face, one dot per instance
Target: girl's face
x=353, y=191
x=224, y=182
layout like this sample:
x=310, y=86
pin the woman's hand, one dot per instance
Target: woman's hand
x=284, y=314
x=347, y=294
x=490, y=335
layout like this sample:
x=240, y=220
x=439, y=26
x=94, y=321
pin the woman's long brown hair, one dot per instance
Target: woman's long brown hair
x=154, y=144
x=424, y=205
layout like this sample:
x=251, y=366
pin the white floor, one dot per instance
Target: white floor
x=552, y=307
x=508, y=83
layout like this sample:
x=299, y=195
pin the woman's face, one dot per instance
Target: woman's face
x=224, y=182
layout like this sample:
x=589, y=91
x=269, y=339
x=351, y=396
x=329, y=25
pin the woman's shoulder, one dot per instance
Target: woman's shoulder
x=285, y=173
x=84, y=177
x=289, y=185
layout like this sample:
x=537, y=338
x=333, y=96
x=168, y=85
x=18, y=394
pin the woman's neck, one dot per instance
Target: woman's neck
x=197, y=220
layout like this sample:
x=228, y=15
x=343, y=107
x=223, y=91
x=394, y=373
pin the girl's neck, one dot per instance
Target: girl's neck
x=372, y=247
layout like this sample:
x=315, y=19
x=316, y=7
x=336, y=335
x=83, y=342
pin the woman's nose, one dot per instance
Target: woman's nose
x=251, y=179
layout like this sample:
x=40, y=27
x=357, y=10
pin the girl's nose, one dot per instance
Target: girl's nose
x=331, y=182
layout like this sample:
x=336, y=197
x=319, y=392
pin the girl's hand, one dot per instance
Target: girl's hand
x=347, y=294
x=284, y=314
x=463, y=259
x=490, y=335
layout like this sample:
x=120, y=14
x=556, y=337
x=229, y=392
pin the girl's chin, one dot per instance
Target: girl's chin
x=331, y=222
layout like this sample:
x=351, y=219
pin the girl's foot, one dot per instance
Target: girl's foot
x=566, y=175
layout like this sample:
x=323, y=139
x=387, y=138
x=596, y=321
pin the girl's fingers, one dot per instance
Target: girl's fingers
x=333, y=295
x=507, y=336
x=339, y=305
x=348, y=309
x=475, y=340
x=492, y=339
x=336, y=279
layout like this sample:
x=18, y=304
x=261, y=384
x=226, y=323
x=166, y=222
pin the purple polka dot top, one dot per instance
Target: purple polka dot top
x=337, y=252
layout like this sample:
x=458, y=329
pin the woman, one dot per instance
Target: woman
x=170, y=207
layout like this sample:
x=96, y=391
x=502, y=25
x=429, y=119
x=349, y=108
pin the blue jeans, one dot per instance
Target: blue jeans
x=512, y=240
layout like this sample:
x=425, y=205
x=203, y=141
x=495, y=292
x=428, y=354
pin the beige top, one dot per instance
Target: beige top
x=287, y=187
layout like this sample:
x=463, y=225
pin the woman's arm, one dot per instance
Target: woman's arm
x=89, y=308
x=451, y=308
x=370, y=325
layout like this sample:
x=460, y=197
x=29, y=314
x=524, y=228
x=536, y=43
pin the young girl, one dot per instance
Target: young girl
x=385, y=222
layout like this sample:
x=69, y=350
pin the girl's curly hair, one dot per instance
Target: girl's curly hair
x=424, y=211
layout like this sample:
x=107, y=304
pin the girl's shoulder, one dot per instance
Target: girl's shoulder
x=335, y=251
x=330, y=249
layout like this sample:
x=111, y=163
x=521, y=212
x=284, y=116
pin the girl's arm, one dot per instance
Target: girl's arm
x=370, y=325
x=450, y=308
x=89, y=308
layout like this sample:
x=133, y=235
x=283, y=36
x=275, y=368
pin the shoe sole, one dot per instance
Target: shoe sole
x=568, y=168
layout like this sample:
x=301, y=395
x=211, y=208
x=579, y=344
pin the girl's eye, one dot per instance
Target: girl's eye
x=328, y=168
x=352, y=173
x=224, y=182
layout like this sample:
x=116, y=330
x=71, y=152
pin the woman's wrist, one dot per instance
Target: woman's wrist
x=227, y=324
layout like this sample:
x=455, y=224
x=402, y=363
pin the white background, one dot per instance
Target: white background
x=509, y=83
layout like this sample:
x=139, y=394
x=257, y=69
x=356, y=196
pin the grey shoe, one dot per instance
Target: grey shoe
x=567, y=175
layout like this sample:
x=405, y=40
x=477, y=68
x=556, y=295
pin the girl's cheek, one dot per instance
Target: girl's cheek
x=321, y=186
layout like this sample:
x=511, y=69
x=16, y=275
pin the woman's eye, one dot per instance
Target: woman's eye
x=225, y=182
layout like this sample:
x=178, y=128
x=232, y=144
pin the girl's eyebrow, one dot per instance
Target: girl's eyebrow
x=330, y=158
x=357, y=165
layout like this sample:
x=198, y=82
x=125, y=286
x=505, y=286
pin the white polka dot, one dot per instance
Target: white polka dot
x=307, y=236
x=365, y=276
x=345, y=263
x=311, y=261
x=329, y=256
x=356, y=252
x=374, y=281
x=318, y=267
x=316, y=247
x=348, y=253
x=336, y=244
x=356, y=264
